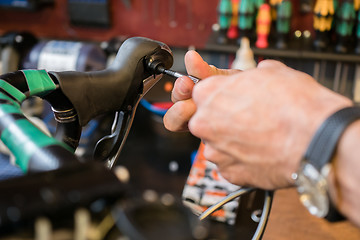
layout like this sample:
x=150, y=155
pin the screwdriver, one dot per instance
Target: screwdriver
x=175, y=74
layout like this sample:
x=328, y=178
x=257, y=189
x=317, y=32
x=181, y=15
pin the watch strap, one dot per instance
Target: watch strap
x=323, y=145
x=325, y=140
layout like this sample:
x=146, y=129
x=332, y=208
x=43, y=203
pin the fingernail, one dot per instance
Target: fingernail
x=183, y=88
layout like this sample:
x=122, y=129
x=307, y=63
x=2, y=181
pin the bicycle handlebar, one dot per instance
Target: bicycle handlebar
x=116, y=87
x=76, y=98
x=33, y=149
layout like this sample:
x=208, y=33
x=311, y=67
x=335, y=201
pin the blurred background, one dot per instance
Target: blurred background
x=319, y=37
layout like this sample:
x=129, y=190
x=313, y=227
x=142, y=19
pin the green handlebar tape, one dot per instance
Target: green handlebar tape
x=8, y=109
x=19, y=96
x=9, y=100
x=21, y=137
x=39, y=82
x=24, y=139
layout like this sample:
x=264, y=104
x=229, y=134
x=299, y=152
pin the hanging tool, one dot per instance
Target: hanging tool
x=233, y=32
x=247, y=12
x=356, y=4
x=345, y=21
x=323, y=18
x=284, y=10
x=263, y=24
x=273, y=7
x=356, y=88
x=224, y=20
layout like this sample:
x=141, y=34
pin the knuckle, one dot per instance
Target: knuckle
x=232, y=177
x=197, y=126
x=182, y=89
x=177, y=117
x=197, y=93
x=228, y=176
x=201, y=90
x=193, y=126
x=168, y=122
x=269, y=63
x=210, y=154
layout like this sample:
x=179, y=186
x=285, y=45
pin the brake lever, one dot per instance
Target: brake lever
x=119, y=88
x=109, y=147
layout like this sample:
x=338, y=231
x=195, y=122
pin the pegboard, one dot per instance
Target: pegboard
x=176, y=22
x=180, y=23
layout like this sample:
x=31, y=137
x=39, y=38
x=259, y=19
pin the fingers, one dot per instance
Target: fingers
x=205, y=89
x=197, y=67
x=182, y=89
x=231, y=169
x=177, y=117
x=216, y=156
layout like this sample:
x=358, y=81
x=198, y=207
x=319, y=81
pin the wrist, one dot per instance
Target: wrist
x=311, y=179
x=317, y=114
x=343, y=178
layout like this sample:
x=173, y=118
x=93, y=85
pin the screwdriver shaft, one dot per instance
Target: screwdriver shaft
x=177, y=75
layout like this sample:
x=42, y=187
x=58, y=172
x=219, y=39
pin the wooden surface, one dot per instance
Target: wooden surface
x=290, y=220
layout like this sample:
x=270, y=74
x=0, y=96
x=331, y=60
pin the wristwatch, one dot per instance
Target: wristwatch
x=310, y=179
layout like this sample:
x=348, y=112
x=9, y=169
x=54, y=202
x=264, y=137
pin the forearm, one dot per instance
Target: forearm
x=344, y=179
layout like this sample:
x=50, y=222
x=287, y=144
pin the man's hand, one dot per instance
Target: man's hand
x=177, y=117
x=258, y=123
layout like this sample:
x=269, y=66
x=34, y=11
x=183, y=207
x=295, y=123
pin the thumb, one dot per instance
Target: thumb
x=197, y=67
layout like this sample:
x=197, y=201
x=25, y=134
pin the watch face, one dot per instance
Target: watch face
x=312, y=187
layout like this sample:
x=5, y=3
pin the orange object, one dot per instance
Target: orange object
x=233, y=31
x=263, y=23
x=168, y=86
x=218, y=213
x=205, y=187
x=197, y=171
